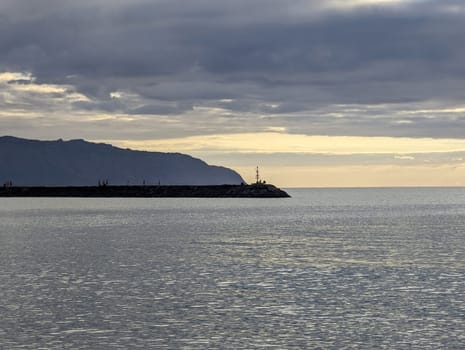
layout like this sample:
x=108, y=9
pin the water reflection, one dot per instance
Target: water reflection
x=325, y=269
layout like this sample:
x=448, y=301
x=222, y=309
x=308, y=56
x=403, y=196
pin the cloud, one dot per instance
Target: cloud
x=360, y=68
x=402, y=157
x=275, y=143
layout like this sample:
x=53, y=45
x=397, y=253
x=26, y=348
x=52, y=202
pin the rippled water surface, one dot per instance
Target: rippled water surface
x=326, y=269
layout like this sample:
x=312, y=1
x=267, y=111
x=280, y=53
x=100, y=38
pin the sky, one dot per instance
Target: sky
x=317, y=93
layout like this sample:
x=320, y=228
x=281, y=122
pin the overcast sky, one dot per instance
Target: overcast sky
x=331, y=92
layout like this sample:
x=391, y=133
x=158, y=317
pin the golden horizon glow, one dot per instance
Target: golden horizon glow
x=410, y=172
x=360, y=176
x=272, y=142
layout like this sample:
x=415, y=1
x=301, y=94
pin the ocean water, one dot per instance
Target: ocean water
x=325, y=269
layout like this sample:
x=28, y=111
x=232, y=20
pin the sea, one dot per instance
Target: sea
x=376, y=268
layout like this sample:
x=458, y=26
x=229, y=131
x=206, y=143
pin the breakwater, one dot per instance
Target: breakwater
x=217, y=191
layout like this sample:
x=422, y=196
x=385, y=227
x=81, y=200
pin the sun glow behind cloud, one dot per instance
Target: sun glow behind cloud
x=21, y=89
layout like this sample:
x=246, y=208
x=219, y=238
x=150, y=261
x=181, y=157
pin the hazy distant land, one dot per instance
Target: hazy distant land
x=81, y=163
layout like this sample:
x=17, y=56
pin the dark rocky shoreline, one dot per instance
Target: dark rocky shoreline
x=214, y=191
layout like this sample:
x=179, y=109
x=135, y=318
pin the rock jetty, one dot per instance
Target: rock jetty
x=108, y=191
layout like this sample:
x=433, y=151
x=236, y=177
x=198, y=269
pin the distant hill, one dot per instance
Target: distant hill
x=78, y=163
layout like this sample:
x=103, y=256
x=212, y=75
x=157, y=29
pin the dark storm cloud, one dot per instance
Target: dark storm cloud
x=268, y=57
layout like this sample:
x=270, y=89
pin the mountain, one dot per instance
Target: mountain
x=79, y=163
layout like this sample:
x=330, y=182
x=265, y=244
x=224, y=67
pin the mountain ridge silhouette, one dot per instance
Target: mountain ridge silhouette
x=77, y=162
